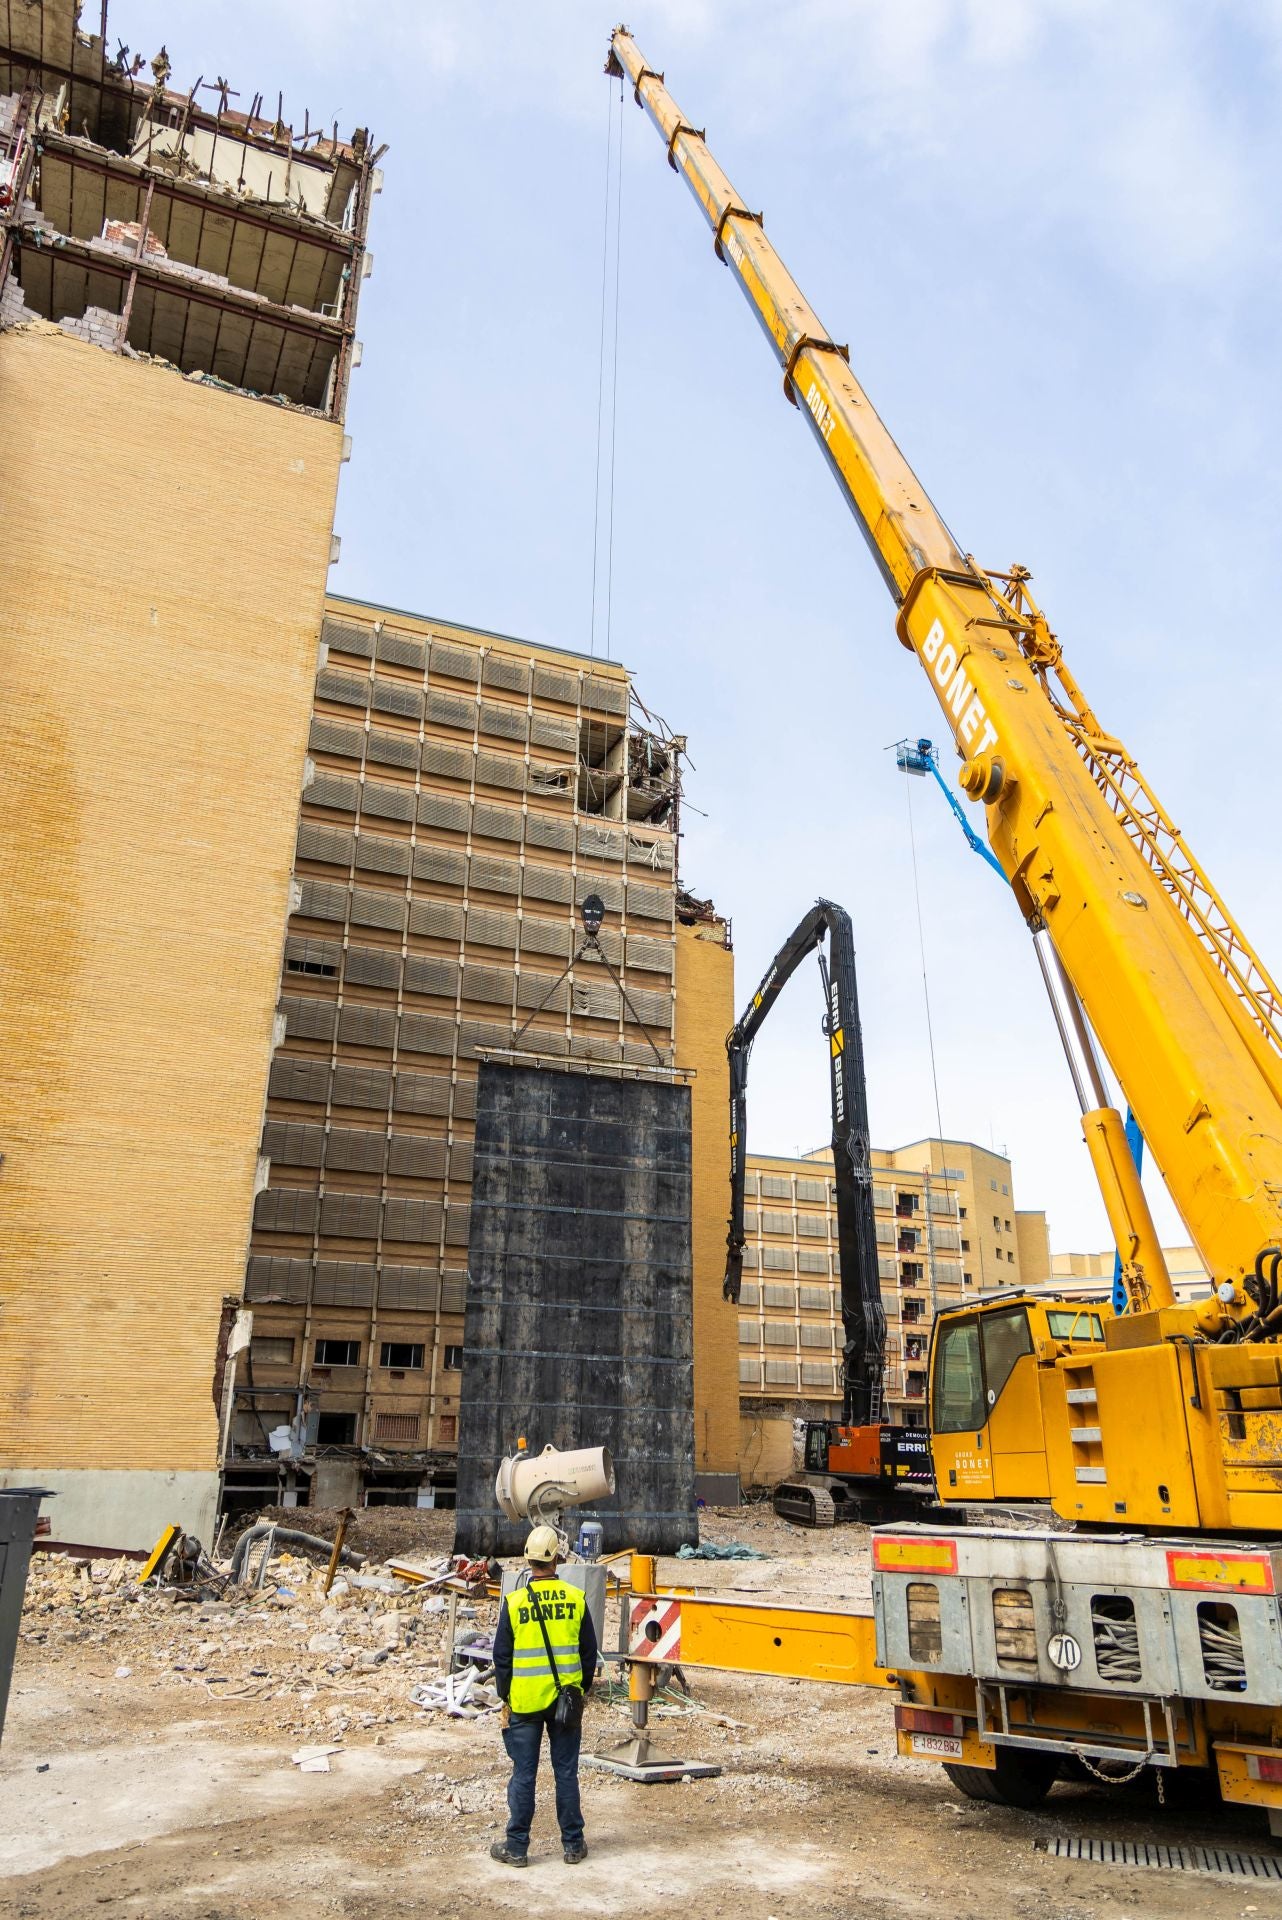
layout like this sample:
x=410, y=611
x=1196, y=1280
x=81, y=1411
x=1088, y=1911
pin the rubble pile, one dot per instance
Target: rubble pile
x=369, y=1655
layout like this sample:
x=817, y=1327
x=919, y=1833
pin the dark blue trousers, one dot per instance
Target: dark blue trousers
x=523, y=1738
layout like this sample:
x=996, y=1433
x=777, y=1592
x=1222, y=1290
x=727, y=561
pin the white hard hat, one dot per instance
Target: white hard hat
x=542, y=1545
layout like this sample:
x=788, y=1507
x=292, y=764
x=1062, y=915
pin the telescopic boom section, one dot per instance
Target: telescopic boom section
x=862, y=1314
x=1183, y=1009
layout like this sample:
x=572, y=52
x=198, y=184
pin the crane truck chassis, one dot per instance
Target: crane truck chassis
x=1150, y=1636
x=1016, y=1654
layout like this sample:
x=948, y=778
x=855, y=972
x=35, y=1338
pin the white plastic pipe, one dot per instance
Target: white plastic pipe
x=528, y=1485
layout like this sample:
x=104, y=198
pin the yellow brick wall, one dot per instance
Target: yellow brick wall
x=765, y=1447
x=162, y=569
x=704, y=1016
x=1034, y=1248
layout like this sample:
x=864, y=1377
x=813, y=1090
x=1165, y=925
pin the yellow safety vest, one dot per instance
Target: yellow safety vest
x=533, y=1688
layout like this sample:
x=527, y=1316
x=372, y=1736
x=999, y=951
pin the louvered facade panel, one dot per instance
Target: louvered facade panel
x=347, y=636
x=360, y=1026
x=344, y=688
x=423, y=1093
x=409, y=1288
x=333, y=791
x=454, y=661
x=310, y=1019
x=416, y=1156
x=361, y=1087
x=345, y=1283
x=327, y=736
x=427, y=1033
x=391, y=749
x=499, y=769
x=354, y=1150
x=436, y=919
x=350, y=1216
x=399, y=650
x=501, y=670
x=293, y=1144
x=432, y=973
x=387, y=803
x=372, y=967
x=375, y=853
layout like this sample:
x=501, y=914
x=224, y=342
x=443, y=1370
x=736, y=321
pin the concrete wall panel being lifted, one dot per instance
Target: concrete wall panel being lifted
x=579, y=1314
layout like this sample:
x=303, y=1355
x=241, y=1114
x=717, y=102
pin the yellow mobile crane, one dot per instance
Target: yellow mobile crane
x=1151, y=1632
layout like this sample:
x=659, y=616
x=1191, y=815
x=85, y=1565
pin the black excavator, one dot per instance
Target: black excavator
x=861, y=1467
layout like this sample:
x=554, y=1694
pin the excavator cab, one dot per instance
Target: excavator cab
x=987, y=1414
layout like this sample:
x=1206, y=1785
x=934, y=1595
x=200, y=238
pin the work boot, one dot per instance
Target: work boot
x=501, y=1851
x=573, y=1855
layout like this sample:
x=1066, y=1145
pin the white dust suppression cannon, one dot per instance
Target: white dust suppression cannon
x=536, y=1486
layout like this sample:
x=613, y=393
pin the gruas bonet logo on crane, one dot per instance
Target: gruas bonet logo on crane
x=955, y=684
x=837, y=1041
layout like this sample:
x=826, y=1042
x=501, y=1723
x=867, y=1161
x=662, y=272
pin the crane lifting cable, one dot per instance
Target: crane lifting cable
x=607, y=357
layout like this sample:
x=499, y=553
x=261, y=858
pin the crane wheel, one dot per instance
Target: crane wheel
x=1018, y=1779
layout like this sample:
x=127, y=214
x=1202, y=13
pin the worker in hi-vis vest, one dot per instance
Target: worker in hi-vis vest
x=545, y=1644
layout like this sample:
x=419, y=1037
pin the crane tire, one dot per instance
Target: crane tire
x=1018, y=1779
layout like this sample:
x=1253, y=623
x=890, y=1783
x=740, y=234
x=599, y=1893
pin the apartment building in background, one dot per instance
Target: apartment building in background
x=178, y=293
x=948, y=1230
x=465, y=794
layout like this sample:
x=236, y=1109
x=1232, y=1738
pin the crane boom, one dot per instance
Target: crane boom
x=1183, y=1008
x=862, y=1313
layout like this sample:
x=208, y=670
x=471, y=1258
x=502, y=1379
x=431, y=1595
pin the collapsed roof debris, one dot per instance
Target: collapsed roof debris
x=172, y=225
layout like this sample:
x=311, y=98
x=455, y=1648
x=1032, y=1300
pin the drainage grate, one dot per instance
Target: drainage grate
x=1130, y=1853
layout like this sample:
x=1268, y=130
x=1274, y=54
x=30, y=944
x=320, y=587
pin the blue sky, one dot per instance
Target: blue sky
x=1048, y=230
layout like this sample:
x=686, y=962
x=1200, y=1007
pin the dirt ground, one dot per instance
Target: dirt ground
x=146, y=1771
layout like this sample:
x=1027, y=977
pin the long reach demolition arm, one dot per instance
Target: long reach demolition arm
x=1135, y=944
x=862, y=1314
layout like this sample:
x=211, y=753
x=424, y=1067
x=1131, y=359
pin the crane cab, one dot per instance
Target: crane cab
x=1134, y=1420
x=987, y=1399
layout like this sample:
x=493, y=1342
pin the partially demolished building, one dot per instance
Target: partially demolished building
x=241, y=1042
x=178, y=292
x=466, y=793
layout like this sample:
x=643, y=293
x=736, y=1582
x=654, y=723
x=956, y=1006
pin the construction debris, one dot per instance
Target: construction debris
x=709, y=1550
x=464, y=1696
x=315, y=1664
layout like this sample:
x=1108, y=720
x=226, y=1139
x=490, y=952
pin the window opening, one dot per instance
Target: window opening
x=959, y=1383
x=1015, y=1629
x=1074, y=1326
x=336, y=1430
x=403, y=1354
x=1219, y=1633
x=271, y=1350
x=1007, y=1338
x=338, y=1353
x=1116, y=1634
x=925, y=1629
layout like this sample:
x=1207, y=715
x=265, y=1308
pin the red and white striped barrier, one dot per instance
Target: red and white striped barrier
x=656, y=1630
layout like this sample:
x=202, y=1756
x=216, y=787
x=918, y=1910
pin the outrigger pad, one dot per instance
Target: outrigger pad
x=636, y=1759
